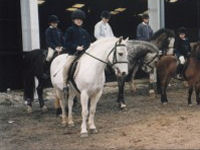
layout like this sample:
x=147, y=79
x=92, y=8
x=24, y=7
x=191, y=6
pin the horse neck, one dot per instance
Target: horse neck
x=99, y=52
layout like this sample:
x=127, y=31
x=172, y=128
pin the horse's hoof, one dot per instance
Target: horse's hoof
x=190, y=105
x=71, y=125
x=29, y=109
x=164, y=103
x=122, y=106
x=64, y=123
x=93, y=131
x=44, y=109
x=84, y=135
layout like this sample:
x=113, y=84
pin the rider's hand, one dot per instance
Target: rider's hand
x=79, y=48
x=59, y=49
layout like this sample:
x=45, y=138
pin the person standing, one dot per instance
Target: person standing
x=54, y=37
x=102, y=28
x=76, y=41
x=144, y=31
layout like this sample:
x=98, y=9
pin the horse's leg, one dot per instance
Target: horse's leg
x=165, y=89
x=132, y=83
x=57, y=106
x=40, y=94
x=84, y=105
x=70, y=106
x=121, y=83
x=62, y=102
x=197, y=90
x=190, y=91
x=93, y=103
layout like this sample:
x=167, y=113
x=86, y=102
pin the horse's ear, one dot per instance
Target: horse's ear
x=126, y=40
x=120, y=39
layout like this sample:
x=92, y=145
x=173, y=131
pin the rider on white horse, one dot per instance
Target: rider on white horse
x=77, y=40
x=54, y=39
x=89, y=78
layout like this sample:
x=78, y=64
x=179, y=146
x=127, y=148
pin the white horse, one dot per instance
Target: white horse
x=89, y=78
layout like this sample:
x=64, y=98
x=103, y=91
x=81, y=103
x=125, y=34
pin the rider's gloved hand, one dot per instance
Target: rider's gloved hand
x=79, y=48
x=58, y=49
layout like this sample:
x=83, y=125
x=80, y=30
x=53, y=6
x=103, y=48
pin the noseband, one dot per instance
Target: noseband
x=148, y=63
x=114, y=61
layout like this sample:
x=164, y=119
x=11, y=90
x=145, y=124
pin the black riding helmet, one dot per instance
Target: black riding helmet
x=145, y=16
x=53, y=19
x=78, y=14
x=182, y=30
x=105, y=14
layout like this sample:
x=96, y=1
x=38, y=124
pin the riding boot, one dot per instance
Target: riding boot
x=66, y=69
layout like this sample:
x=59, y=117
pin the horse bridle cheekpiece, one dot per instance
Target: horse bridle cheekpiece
x=114, y=50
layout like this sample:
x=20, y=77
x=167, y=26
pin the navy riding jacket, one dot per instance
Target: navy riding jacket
x=76, y=36
x=144, y=32
x=54, y=37
x=182, y=47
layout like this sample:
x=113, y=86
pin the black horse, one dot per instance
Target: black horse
x=34, y=65
x=144, y=55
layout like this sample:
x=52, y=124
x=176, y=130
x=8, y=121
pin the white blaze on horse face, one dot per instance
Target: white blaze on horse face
x=170, y=50
x=121, y=68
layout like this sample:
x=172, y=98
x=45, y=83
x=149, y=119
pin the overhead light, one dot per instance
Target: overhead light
x=40, y=2
x=78, y=5
x=120, y=9
x=172, y=1
x=71, y=9
x=114, y=12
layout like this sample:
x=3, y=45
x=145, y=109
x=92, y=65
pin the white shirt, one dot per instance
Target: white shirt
x=102, y=30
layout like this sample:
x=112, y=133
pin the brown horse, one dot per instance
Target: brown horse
x=167, y=67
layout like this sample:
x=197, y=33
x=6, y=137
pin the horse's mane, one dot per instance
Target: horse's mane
x=168, y=32
x=196, y=51
x=103, y=41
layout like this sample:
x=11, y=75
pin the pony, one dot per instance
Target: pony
x=33, y=66
x=89, y=78
x=166, y=69
x=145, y=55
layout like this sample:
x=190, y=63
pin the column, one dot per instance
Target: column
x=157, y=14
x=30, y=25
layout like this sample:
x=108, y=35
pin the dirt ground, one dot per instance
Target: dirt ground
x=146, y=124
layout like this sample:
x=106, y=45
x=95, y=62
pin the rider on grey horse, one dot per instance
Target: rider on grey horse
x=76, y=41
x=54, y=39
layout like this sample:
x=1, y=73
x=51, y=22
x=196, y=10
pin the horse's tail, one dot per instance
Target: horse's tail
x=196, y=51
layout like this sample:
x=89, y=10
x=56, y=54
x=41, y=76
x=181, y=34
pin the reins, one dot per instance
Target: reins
x=114, y=61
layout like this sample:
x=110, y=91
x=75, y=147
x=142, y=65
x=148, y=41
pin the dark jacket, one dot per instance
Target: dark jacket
x=144, y=32
x=76, y=36
x=54, y=37
x=182, y=47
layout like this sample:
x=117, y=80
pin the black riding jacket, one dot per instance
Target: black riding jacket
x=76, y=36
x=54, y=37
x=182, y=47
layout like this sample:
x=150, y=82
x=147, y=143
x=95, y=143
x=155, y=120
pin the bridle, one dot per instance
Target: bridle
x=147, y=64
x=114, y=60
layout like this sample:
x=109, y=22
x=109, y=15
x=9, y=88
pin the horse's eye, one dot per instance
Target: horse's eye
x=120, y=54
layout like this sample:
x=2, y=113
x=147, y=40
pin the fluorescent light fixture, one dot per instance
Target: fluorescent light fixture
x=78, y=5
x=71, y=9
x=114, y=12
x=40, y=2
x=120, y=9
x=172, y=1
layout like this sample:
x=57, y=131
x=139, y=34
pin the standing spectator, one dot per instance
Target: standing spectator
x=54, y=39
x=102, y=28
x=144, y=31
